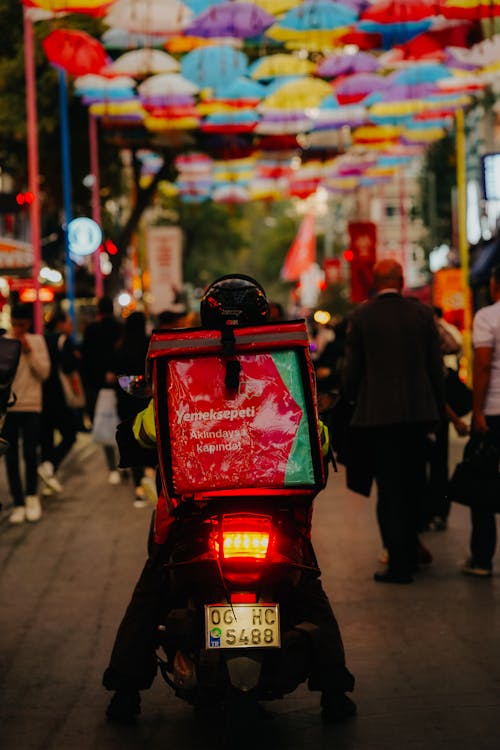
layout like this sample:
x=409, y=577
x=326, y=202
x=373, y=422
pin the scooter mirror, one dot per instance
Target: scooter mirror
x=135, y=385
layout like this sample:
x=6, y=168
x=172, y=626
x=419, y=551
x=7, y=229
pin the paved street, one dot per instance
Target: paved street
x=426, y=656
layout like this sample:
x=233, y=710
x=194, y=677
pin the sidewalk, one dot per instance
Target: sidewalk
x=426, y=657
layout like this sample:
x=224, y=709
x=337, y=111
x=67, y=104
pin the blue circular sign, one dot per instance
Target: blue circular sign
x=84, y=236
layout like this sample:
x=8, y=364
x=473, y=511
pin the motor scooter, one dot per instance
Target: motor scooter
x=234, y=630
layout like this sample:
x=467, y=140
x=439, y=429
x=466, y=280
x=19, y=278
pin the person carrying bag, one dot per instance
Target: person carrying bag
x=105, y=417
x=475, y=481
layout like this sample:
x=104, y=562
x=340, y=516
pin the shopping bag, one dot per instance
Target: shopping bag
x=458, y=394
x=475, y=481
x=72, y=389
x=105, y=417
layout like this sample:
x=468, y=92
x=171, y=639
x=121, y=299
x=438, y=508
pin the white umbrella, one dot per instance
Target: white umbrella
x=166, y=84
x=102, y=83
x=149, y=16
x=141, y=62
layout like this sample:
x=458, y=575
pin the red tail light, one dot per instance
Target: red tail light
x=244, y=537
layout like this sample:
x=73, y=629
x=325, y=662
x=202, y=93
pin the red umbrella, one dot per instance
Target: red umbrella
x=76, y=52
x=365, y=40
x=395, y=11
x=471, y=10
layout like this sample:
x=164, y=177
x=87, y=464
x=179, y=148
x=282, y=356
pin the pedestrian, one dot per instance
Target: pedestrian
x=485, y=419
x=57, y=416
x=435, y=502
x=22, y=423
x=394, y=375
x=99, y=341
x=129, y=358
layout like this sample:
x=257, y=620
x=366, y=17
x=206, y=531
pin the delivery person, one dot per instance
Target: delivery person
x=229, y=301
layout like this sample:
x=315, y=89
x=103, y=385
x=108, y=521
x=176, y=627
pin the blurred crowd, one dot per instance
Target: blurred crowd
x=57, y=389
x=379, y=392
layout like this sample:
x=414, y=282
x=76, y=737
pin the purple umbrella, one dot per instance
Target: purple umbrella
x=356, y=87
x=344, y=64
x=240, y=20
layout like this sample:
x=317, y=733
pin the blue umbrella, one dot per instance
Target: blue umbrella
x=395, y=33
x=214, y=67
x=318, y=16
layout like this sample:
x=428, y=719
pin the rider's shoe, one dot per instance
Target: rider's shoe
x=124, y=706
x=336, y=707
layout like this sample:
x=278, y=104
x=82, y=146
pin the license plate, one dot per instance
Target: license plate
x=242, y=626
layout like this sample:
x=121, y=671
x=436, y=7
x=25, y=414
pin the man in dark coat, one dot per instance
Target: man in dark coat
x=394, y=375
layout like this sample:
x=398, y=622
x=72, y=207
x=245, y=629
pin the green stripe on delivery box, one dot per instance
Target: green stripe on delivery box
x=299, y=469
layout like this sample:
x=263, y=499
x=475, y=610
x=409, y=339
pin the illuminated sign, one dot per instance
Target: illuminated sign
x=84, y=236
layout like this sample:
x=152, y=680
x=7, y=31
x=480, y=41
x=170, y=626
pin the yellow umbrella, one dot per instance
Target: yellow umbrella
x=110, y=108
x=302, y=94
x=72, y=6
x=276, y=7
x=314, y=40
x=158, y=124
x=273, y=66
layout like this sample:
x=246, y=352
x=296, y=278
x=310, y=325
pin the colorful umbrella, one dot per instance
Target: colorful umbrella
x=347, y=64
x=313, y=25
x=276, y=7
x=297, y=95
x=95, y=88
x=470, y=9
x=182, y=43
x=74, y=51
x=165, y=85
x=121, y=39
x=89, y=7
x=280, y=64
x=358, y=86
x=241, y=20
x=236, y=121
x=331, y=115
x=280, y=122
x=214, y=67
x=429, y=46
x=157, y=17
x=398, y=11
x=397, y=21
x=240, y=93
x=141, y=62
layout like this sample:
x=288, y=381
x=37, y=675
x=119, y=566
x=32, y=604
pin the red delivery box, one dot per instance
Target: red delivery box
x=236, y=410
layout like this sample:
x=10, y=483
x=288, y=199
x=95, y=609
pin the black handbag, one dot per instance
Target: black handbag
x=458, y=395
x=475, y=481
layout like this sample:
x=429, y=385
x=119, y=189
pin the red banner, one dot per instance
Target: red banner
x=302, y=252
x=333, y=271
x=363, y=244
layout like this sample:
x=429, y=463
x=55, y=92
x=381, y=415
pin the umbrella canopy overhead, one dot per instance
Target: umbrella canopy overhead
x=167, y=84
x=89, y=7
x=241, y=20
x=357, y=87
x=142, y=62
x=297, y=95
x=158, y=17
x=214, y=67
x=470, y=9
x=347, y=64
x=313, y=25
x=280, y=64
x=75, y=51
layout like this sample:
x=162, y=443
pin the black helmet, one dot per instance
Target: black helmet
x=234, y=300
